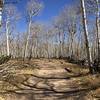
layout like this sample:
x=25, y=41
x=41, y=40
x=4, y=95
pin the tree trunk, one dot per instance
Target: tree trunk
x=60, y=56
x=71, y=45
x=98, y=29
x=27, y=41
x=1, y=6
x=7, y=36
x=88, y=51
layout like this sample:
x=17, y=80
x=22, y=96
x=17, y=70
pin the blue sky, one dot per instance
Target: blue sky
x=51, y=9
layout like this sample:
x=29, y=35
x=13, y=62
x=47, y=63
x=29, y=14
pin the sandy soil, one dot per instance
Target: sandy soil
x=43, y=79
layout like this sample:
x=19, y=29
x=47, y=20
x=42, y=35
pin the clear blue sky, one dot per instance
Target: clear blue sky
x=51, y=9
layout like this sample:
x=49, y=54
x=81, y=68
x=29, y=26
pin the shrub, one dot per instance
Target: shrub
x=4, y=59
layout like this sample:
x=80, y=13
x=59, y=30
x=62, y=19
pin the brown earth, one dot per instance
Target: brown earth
x=43, y=79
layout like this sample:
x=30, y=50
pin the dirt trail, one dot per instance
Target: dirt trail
x=42, y=79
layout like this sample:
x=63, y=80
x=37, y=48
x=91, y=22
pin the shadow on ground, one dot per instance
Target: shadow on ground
x=42, y=79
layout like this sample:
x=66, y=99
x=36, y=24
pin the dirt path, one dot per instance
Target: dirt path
x=47, y=80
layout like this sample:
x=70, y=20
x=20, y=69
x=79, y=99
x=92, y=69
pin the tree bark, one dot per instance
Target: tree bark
x=27, y=41
x=7, y=36
x=98, y=29
x=1, y=7
x=88, y=51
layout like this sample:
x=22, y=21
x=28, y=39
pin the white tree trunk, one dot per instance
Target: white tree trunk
x=1, y=7
x=7, y=37
x=27, y=41
x=0, y=16
x=98, y=28
x=88, y=51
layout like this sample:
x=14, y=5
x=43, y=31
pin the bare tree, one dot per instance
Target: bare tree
x=71, y=25
x=86, y=35
x=10, y=11
x=1, y=7
x=33, y=9
x=98, y=27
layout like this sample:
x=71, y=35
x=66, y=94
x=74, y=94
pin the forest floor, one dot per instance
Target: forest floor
x=43, y=79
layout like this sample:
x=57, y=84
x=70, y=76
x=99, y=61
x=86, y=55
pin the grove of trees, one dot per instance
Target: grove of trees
x=73, y=34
